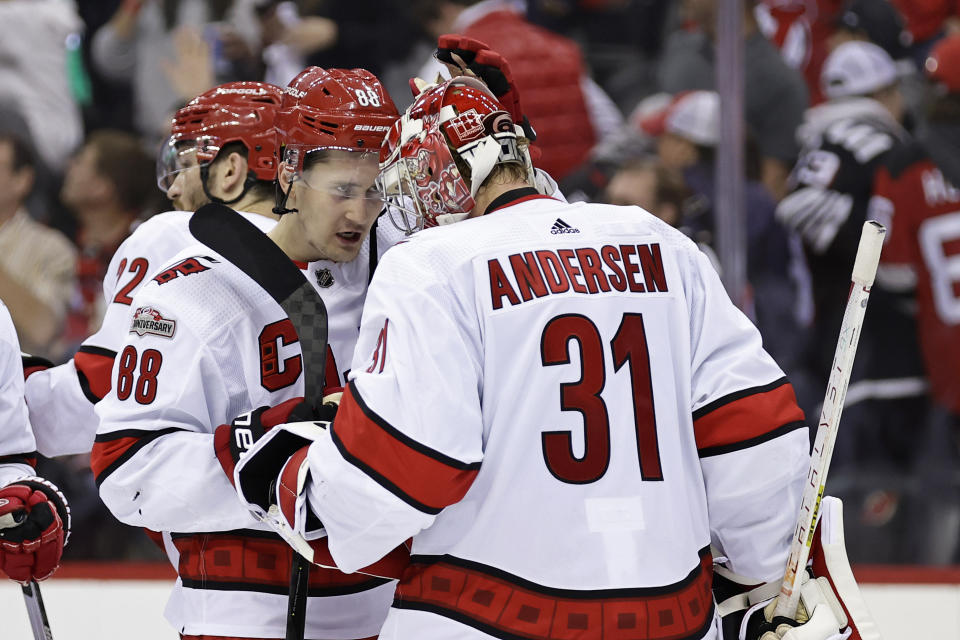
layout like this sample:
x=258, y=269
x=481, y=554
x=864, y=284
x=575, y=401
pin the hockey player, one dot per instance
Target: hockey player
x=208, y=339
x=222, y=148
x=558, y=403
x=34, y=516
x=845, y=140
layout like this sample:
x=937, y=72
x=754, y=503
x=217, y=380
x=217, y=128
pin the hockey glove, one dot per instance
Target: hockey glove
x=32, y=364
x=831, y=606
x=820, y=616
x=476, y=58
x=34, y=528
x=232, y=441
x=271, y=483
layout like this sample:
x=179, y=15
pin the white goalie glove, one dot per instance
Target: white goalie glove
x=831, y=606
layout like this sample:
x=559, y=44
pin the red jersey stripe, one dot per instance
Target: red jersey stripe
x=105, y=454
x=250, y=560
x=748, y=416
x=422, y=477
x=110, y=450
x=94, y=367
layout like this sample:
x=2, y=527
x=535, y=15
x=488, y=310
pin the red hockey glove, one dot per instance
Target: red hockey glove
x=32, y=364
x=232, y=441
x=34, y=527
x=490, y=67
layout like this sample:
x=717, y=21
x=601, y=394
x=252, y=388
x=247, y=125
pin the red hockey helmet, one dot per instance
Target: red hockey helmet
x=345, y=109
x=232, y=112
x=437, y=155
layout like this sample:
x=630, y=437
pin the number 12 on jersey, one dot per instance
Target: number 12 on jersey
x=628, y=345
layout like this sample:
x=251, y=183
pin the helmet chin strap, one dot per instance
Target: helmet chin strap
x=281, y=207
x=250, y=180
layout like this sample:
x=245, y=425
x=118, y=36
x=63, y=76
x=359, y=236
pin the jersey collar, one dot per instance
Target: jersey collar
x=514, y=196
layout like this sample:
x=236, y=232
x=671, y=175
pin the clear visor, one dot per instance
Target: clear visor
x=421, y=189
x=177, y=155
x=345, y=175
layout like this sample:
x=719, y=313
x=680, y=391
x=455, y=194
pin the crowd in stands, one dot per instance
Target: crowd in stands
x=845, y=102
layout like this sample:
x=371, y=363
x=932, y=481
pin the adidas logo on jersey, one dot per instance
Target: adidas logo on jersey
x=562, y=227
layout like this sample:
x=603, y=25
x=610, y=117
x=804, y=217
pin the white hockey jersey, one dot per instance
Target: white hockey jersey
x=206, y=341
x=563, y=409
x=18, y=449
x=61, y=398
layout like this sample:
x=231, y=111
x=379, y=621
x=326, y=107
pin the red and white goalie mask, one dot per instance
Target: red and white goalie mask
x=439, y=153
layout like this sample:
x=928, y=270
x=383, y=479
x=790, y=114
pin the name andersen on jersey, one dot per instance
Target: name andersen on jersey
x=586, y=270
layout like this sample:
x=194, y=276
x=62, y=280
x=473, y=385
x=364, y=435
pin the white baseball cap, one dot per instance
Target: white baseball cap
x=857, y=68
x=696, y=117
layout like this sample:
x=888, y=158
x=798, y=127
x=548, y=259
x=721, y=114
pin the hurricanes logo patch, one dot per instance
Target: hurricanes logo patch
x=149, y=320
x=325, y=278
x=562, y=227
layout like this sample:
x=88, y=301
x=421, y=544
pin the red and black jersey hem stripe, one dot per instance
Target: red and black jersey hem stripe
x=143, y=438
x=255, y=561
x=707, y=452
x=506, y=635
x=511, y=608
x=29, y=459
x=738, y=395
x=555, y=592
x=404, y=440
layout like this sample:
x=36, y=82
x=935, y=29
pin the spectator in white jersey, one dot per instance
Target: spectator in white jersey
x=536, y=388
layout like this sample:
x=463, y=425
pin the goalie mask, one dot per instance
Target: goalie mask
x=331, y=110
x=439, y=153
x=232, y=112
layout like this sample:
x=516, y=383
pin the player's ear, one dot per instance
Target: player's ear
x=235, y=172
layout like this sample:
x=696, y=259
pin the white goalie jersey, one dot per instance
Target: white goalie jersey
x=562, y=408
x=207, y=340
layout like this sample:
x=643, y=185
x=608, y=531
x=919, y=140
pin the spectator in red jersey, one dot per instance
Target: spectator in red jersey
x=107, y=185
x=568, y=110
x=915, y=193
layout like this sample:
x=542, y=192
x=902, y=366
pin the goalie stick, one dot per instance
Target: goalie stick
x=36, y=611
x=278, y=275
x=864, y=271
